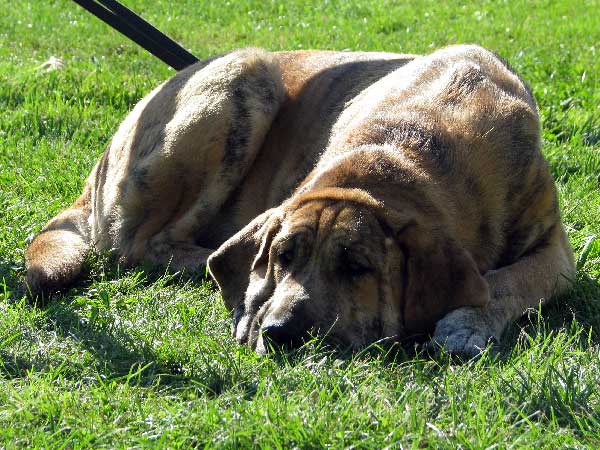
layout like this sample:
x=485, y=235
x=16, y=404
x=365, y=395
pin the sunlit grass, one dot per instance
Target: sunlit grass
x=144, y=359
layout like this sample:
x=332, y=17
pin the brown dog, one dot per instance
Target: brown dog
x=359, y=195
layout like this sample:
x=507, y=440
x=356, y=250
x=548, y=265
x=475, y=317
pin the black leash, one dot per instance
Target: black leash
x=138, y=30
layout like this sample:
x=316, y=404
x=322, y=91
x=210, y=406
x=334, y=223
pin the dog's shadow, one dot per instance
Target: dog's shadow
x=576, y=313
x=111, y=350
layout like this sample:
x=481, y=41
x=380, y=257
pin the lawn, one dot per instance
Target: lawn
x=142, y=358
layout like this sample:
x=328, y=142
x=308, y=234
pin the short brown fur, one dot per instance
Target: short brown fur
x=364, y=196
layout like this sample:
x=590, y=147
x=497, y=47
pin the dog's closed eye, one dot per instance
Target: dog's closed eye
x=286, y=252
x=354, y=263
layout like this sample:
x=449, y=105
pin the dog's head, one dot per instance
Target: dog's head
x=337, y=262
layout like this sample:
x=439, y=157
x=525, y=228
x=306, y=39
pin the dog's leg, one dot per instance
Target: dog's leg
x=55, y=256
x=535, y=278
x=170, y=167
x=177, y=255
x=207, y=145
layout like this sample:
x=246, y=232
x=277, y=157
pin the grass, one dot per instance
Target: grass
x=143, y=359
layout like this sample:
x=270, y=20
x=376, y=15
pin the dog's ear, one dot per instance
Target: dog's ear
x=440, y=275
x=245, y=253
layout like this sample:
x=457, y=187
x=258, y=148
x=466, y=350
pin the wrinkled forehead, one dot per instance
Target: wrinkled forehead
x=333, y=220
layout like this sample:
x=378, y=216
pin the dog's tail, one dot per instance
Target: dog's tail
x=56, y=255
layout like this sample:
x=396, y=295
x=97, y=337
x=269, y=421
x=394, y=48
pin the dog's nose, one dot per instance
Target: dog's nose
x=282, y=334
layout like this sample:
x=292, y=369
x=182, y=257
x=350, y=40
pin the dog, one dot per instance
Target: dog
x=361, y=196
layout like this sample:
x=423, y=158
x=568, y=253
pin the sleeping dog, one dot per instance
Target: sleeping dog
x=364, y=196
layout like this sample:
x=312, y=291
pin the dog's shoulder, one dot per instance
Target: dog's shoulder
x=463, y=130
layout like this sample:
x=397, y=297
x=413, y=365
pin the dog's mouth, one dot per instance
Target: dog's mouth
x=274, y=338
x=265, y=336
x=259, y=331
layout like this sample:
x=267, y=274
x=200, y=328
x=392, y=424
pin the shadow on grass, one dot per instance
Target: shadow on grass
x=115, y=355
x=98, y=343
x=11, y=279
x=576, y=311
x=112, y=355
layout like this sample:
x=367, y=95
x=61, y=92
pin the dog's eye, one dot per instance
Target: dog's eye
x=355, y=264
x=286, y=254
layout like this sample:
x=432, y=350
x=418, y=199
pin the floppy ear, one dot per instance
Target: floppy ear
x=440, y=276
x=247, y=251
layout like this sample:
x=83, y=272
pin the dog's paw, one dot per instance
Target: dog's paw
x=465, y=332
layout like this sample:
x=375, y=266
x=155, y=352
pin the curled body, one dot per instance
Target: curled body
x=364, y=196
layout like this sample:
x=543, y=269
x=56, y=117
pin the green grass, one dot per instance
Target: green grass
x=143, y=359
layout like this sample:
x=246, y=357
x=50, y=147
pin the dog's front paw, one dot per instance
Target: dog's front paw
x=464, y=332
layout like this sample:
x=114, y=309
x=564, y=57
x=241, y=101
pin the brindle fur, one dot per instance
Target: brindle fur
x=360, y=195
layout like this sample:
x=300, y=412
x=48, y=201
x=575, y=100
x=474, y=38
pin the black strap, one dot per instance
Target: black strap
x=138, y=30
